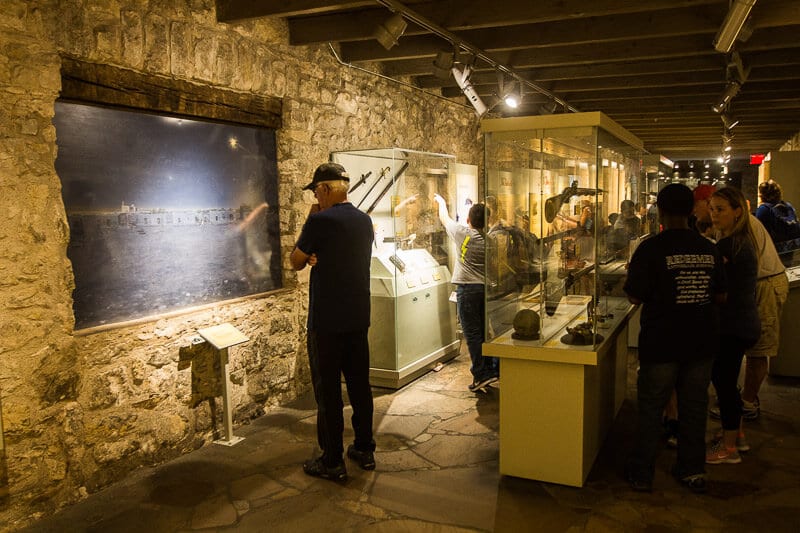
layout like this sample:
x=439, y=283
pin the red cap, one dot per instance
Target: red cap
x=703, y=192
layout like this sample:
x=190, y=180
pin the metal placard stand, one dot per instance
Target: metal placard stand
x=223, y=337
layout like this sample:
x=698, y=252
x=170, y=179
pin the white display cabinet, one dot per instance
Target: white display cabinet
x=413, y=322
x=552, y=182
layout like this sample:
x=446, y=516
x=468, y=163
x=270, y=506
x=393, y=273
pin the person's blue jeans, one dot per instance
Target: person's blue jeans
x=471, y=306
x=656, y=381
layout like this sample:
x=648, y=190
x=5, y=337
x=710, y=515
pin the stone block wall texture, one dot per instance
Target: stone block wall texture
x=792, y=145
x=81, y=411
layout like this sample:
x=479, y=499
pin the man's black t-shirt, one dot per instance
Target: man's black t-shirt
x=676, y=275
x=341, y=236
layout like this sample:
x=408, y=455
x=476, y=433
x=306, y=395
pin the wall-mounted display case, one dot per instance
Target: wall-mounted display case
x=413, y=324
x=563, y=191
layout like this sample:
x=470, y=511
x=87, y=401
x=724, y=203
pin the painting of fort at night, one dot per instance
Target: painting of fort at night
x=164, y=213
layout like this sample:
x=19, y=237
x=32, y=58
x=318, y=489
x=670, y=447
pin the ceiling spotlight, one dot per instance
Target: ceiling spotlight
x=728, y=121
x=511, y=97
x=732, y=25
x=442, y=65
x=507, y=92
x=511, y=100
x=390, y=31
x=731, y=90
x=462, y=79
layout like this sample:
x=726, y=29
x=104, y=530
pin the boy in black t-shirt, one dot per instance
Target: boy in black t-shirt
x=678, y=278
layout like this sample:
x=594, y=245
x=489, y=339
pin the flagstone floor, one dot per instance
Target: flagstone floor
x=437, y=471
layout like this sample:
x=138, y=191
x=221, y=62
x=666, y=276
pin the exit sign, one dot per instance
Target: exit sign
x=756, y=159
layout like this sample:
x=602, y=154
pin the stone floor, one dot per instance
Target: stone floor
x=438, y=472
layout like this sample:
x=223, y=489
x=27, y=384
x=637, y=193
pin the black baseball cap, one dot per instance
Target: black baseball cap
x=327, y=172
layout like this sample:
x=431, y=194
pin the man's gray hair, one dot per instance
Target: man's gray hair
x=338, y=186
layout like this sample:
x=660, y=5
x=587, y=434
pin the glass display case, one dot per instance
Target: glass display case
x=565, y=195
x=656, y=172
x=413, y=324
x=563, y=191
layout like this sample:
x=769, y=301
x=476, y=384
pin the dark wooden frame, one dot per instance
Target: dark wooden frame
x=107, y=85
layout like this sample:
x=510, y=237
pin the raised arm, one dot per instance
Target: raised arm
x=444, y=216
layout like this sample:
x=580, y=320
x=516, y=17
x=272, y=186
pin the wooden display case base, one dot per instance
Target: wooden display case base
x=557, y=406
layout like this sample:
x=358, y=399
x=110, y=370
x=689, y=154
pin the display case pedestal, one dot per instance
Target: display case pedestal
x=557, y=404
x=395, y=379
x=788, y=361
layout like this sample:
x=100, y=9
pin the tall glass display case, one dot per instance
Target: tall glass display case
x=656, y=172
x=563, y=193
x=413, y=324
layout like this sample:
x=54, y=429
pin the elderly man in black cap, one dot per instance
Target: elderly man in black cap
x=336, y=241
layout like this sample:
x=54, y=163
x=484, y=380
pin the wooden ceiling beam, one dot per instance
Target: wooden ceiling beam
x=469, y=15
x=705, y=120
x=237, y=10
x=579, y=54
x=360, y=25
x=565, y=54
x=649, y=65
x=782, y=57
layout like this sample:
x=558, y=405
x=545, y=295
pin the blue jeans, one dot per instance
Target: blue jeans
x=656, y=381
x=471, y=306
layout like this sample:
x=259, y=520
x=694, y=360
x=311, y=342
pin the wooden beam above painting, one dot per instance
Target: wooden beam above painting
x=108, y=85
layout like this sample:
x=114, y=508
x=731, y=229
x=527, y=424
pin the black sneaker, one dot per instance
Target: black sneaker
x=481, y=383
x=366, y=460
x=317, y=468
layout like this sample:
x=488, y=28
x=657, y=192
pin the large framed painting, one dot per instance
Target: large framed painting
x=165, y=213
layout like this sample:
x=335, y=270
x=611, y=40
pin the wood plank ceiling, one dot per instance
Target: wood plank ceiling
x=648, y=64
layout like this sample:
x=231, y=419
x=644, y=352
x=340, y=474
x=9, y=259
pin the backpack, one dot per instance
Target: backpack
x=786, y=227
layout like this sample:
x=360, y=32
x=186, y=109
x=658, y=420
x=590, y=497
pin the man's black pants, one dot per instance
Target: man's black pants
x=332, y=354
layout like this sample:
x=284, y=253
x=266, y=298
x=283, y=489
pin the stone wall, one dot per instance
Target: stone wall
x=79, y=412
x=792, y=145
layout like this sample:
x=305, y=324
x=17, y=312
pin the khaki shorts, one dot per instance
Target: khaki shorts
x=771, y=294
